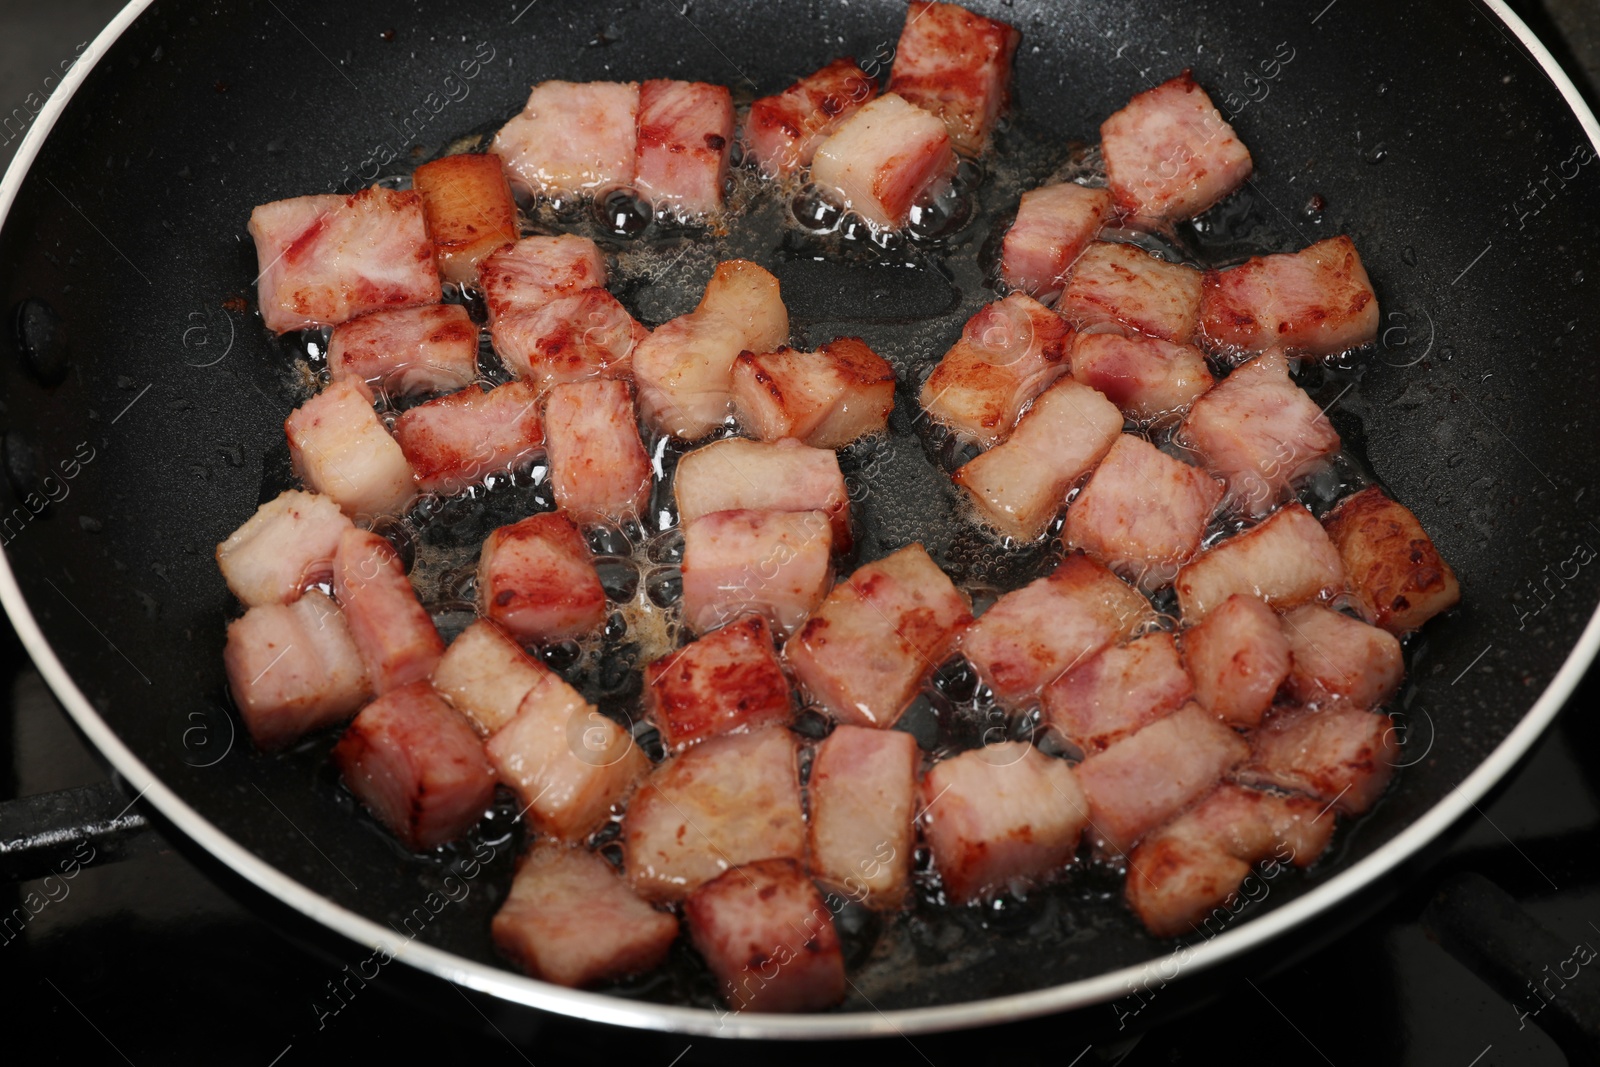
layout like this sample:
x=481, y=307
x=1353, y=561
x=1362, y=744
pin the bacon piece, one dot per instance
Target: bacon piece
x=1054, y=224
x=1198, y=861
x=1317, y=301
x=1340, y=754
x=1336, y=657
x=727, y=801
x=783, y=131
x=394, y=633
x=1285, y=561
x=568, y=764
x=572, y=138
x=292, y=669
x=685, y=368
x=1032, y=635
x=957, y=65
x=883, y=157
x=1019, y=485
x=1170, y=155
x=537, y=579
x=570, y=919
x=1394, y=569
x=599, y=469
x=283, y=548
x=325, y=259
x=586, y=334
x=728, y=680
x=773, y=563
x=1142, y=512
x=1238, y=657
x=406, y=352
x=416, y=763
x=828, y=398
x=340, y=449
x=1118, y=692
x=1123, y=288
x=484, y=674
x=470, y=211
x=781, y=476
x=864, y=653
x=1143, y=780
x=768, y=936
x=1008, y=353
x=999, y=814
x=685, y=135
x=863, y=789
x=537, y=270
x=1146, y=377
x=455, y=441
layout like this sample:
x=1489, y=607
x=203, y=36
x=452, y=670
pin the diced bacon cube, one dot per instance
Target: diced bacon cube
x=340, y=449
x=599, y=469
x=1054, y=224
x=586, y=334
x=572, y=138
x=537, y=270
x=1146, y=377
x=828, y=398
x=782, y=132
x=1008, y=353
x=292, y=669
x=406, y=352
x=1317, y=301
x=416, y=763
x=781, y=476
x=881, y=631
x=883, y=157
x=730, y=679
x=1118, y=692
x=1340, y=754
x=1394, y=569
x=1285, y=561
x=470, y=211
x=863, y=791
x=394, y=633
x=1238, y=657
x=957, y=65
x=1122, y=288
x=1020, y=485
x=685, y=135
x=727, y=801
x=537, y=579
x=1142, y=512
x=1170, y=154
x=568, y=764
x=325, y=259
x=1143, y=780
x=1198, y=861
x=455, y=441
x=484, y=674
x=774, y=563
x=571, y=919
x=1033, y=635
x=685, y=368
x=1335, y=657
x=768, y=936
x=283, y=548
x=1000, y=814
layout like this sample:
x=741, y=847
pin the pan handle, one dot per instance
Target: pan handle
x=58, y=833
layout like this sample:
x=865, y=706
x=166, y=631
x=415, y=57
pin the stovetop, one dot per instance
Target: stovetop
x=167, y=957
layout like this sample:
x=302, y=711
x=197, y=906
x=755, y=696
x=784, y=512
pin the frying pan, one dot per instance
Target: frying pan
x=143, y=402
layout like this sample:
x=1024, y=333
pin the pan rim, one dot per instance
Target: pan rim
x=602, y=1008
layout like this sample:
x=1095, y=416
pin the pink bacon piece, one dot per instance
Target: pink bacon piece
x=883, y=157
x=1118, y=692
x=778, y=476
x=863, y=790
x=537, y=579
x=957, y=65
x=1317, y=301
x=728, y=680
x=1148, y=378
x=534, y=271
x=585, y=334
x=863, y=653
x=340, y=448
x=1238, y=657
x=1121, y=288
x=840, y=393
x=455, y=441
x=470, y=211
x=1286, y=561
x=685, y=135
x=407, y=352
x=598, y=466
x=1340, y=754
x=283, y=548
x=1395, y=570
x=416, y=764
x=774, y=563
x=571, y=919
x=484, y=674
x=783, y=131
x=325, y=259
x=1335, y=657
x=292, y=669
x=1170, y=155
x=1054, y=224
x=394, y=632
x=572, y=138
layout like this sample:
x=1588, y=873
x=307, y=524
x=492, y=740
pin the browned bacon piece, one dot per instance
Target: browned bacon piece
x=1317, y=301
x=728, y=680
x=1393, y=566
x=783, y=131
x=828, y=398
x=470, y=211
